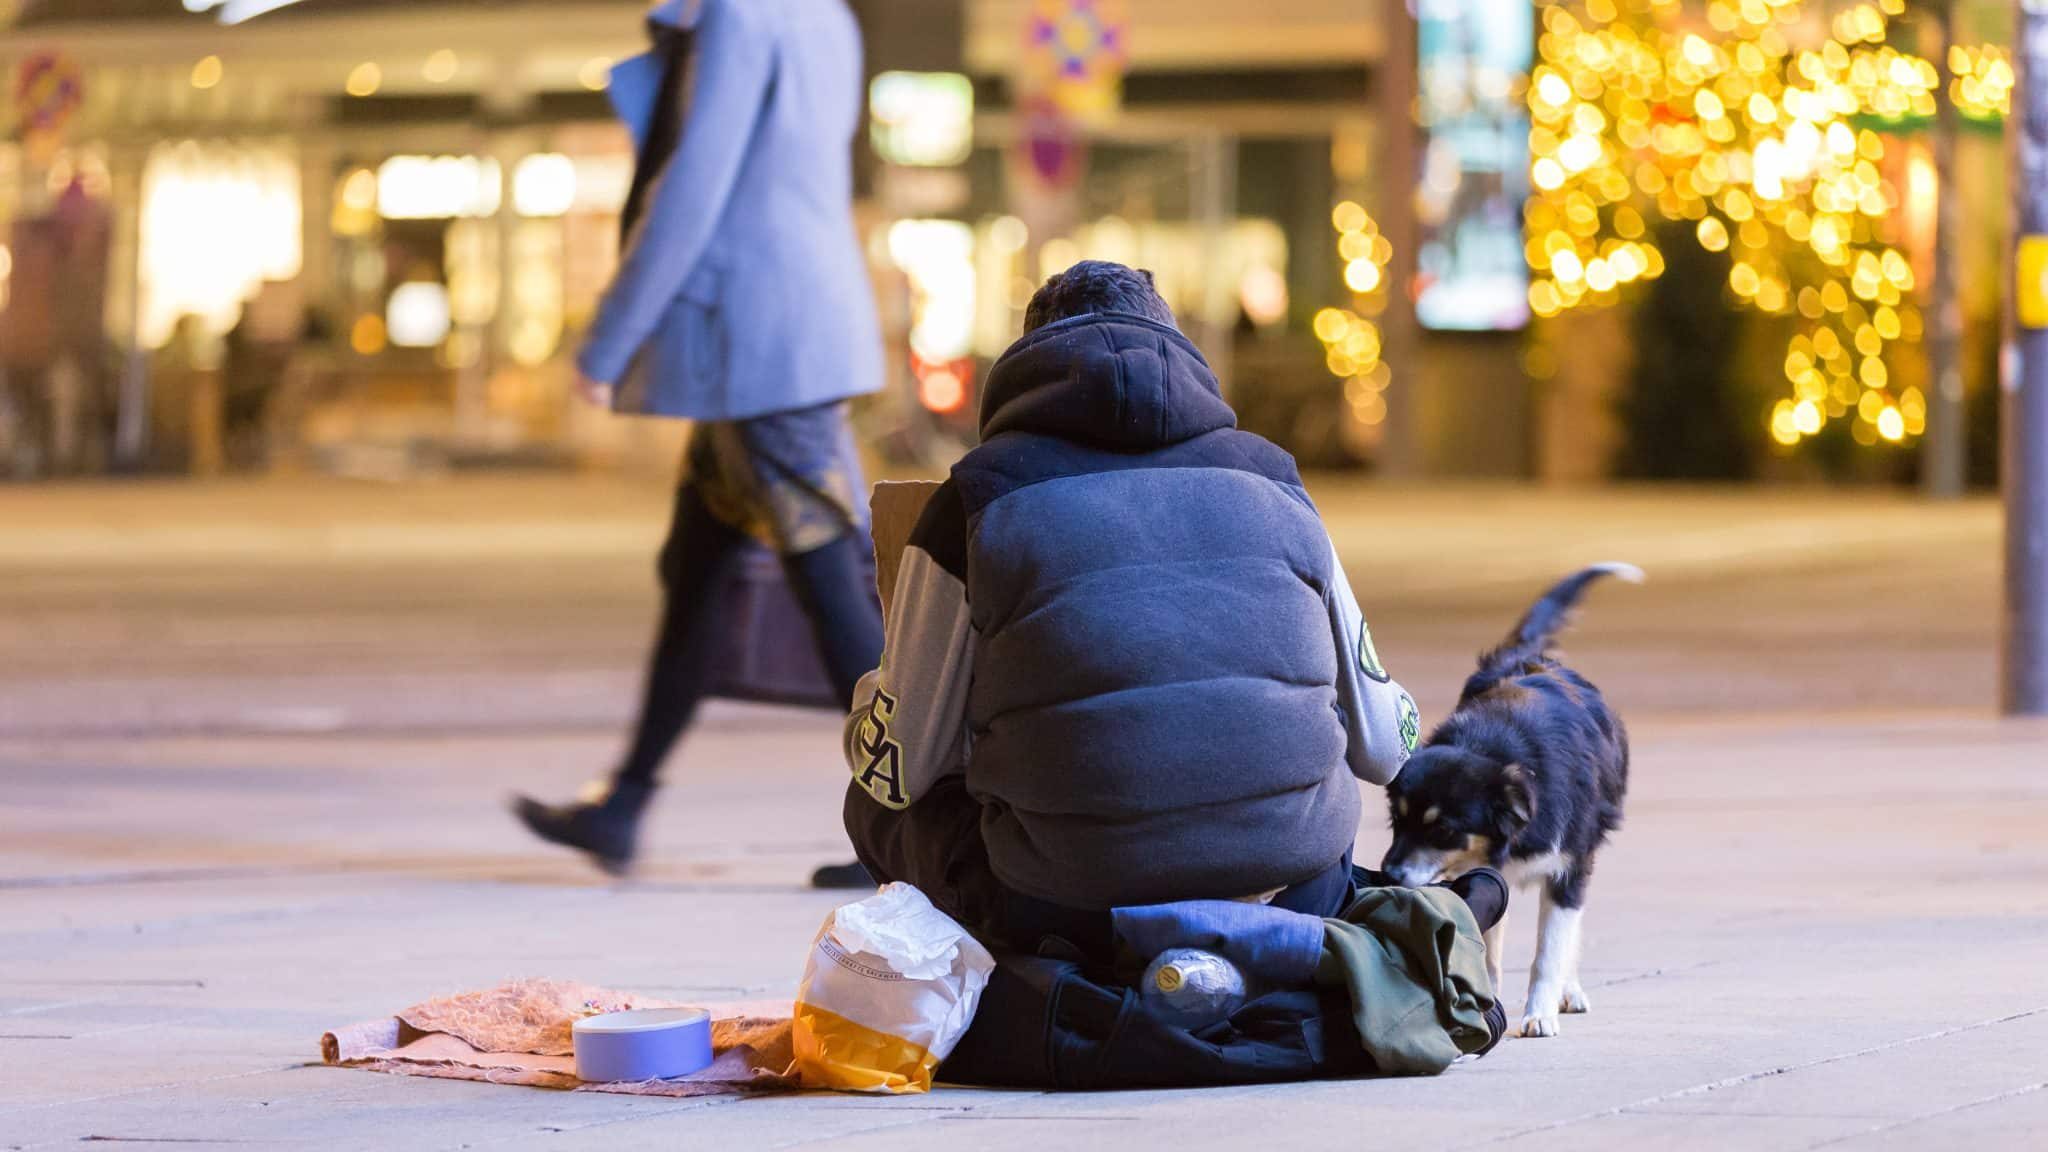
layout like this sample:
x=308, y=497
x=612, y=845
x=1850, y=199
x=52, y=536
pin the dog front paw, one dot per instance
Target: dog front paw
x=1537, y=1025
x=1575, y=1000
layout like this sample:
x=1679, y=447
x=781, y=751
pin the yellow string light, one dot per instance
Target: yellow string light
x=1350, y=339
x=1637, y=111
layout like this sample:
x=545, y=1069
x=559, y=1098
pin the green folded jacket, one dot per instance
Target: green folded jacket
x=1415, y=965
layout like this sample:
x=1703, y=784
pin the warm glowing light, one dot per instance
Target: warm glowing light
x=1351, y=342
x=1008, y=234
x=942, y=391
x=1057, y=256
x=921, y=119
x=364, y=79
x=206, y=73
x=1262, y=293
x=437, y=187
x=441, y=67
x=1806, y=417
x=216, y=220
x=544, y=184
x=937, y=256
x=596, y=73
x=1784, y=428
x=416, y=316
x=359, y=191
x=366, y=336
x=1774, y=153
x=1362, y=275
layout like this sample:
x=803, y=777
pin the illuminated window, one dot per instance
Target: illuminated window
x=417, y=314
x=437, y=187
x=217, y=221
x=544, y=184
x=922, y=118
x=938, y=258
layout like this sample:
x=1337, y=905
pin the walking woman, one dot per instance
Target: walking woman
x=741, y=302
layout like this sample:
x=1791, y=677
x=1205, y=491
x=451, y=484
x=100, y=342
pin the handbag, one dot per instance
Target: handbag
x=769, y=655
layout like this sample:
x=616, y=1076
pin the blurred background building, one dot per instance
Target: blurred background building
x=362, y=235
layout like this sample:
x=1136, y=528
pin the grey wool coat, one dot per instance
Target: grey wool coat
x=741, y=289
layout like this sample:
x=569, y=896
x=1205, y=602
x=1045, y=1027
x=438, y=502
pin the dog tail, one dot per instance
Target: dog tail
x=1538, y=630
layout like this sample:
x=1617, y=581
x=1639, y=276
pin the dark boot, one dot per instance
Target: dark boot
x=1485, y=891
x=607, y=829
x=849, y=876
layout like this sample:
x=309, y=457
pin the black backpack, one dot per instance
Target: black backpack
x=1059, y=1024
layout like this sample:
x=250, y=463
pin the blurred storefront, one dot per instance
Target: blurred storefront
x=363, y=234
x=345, y=234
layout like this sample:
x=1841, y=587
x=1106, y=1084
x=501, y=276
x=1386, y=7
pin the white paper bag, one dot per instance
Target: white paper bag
x=890, y=988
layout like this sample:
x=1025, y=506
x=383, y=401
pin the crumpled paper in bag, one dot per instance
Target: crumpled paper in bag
x=899, y=924
x=890, y=988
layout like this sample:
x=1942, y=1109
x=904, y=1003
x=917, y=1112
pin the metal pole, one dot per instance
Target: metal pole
x=1213, y=157
x=1943, y=465
x=1395, y=88
x=2025, y=472
x=131, y=404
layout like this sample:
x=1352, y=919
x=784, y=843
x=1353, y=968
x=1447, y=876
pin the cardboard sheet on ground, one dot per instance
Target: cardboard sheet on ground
x=518, y=1033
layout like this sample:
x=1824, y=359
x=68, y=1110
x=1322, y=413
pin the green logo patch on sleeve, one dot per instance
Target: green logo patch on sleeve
x=1369, y=656
x=1411, y=722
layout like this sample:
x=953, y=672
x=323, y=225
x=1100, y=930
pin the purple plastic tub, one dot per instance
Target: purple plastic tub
x=643, y=1044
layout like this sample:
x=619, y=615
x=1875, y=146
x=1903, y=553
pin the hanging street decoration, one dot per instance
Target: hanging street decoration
x=48, y=88
x=1075, y=54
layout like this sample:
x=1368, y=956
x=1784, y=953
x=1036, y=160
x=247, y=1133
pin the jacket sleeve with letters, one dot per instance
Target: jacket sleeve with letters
x=908, y=727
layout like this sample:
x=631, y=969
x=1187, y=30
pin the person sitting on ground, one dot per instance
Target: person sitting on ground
x=1123, y=665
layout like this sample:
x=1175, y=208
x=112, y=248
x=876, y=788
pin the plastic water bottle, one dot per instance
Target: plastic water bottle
x=1190, y=988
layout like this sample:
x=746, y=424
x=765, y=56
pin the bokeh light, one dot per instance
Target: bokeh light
x=1770, y=152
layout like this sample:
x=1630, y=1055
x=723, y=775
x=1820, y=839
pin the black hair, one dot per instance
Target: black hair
x=1096, y=286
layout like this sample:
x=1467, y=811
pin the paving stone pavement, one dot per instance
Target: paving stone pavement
x=254, y=744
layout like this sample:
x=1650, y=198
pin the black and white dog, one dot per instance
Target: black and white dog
x=1526, y=776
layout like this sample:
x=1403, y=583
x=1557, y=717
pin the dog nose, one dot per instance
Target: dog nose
x=1401, y=872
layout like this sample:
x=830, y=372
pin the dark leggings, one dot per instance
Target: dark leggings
x=698, y=564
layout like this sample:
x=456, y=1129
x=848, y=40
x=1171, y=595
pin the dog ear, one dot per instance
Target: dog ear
x=1517, y=796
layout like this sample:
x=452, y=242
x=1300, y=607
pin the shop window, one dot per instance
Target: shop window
x=218, y=219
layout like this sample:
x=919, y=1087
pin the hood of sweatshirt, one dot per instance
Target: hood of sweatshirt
x=1108, y=379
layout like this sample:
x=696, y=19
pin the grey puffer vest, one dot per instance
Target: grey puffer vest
x=1154, y=713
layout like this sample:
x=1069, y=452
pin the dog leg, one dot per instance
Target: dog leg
x=1557, y=947
x=1575, y=1000
x=1496, y=951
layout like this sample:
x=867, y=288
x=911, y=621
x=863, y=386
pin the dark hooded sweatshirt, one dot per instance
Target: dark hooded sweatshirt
x=1123, y=621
